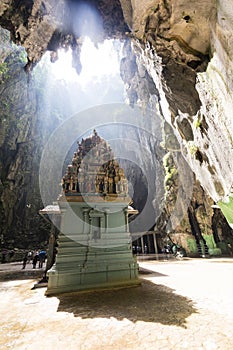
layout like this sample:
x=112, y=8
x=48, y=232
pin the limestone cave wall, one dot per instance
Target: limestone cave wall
x=186, y=49
x=20, y=149
x=177, y=51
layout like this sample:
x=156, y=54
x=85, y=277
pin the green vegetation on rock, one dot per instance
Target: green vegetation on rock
x=192, y=148
x=192, y=245
x=170, y=170
x=212, y=246
x=3, y=68
x=227, y=209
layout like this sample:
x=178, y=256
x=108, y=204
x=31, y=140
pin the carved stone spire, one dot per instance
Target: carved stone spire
x=94, y=170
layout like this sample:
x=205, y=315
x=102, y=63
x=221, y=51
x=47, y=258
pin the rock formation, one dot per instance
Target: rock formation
x=179, y=51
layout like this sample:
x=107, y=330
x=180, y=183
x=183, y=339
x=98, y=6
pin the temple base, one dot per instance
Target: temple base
x=94, y=248
x=92, y=268
x=86, y=280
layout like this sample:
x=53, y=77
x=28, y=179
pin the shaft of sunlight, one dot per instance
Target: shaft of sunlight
x=96, y=62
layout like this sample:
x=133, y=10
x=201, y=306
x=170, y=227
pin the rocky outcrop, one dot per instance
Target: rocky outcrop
x=186, y=50
x=179, y=51
x=20, y=149
x=49, y=25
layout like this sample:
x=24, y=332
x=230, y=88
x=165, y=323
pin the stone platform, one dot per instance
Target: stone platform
x=179, y=305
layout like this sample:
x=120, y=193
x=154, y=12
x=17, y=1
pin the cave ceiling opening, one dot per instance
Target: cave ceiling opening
x=97, y=82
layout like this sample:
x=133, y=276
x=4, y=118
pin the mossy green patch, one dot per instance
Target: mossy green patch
x=3, y=68
x=192, y=245
x=212, y=246
x=227, y=209
x=192, y=148
x=223, y=246
x=209, y=241
x=215, y=251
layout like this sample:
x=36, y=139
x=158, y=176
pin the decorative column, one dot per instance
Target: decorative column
x=90, y=226
x=155, y=243
x=106, y=212
x=126, y=220
x=101, y=224
x=85, y=212
x=142, y=244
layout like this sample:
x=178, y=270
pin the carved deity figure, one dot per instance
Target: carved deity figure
x=97, y=184
x=81, y=182
x=105, y=184
x=101, y=186
x=125, y=186
x=88, y=186
x=116, y=181
x=110, y=185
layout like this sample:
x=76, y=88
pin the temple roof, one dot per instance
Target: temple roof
x=94, y=170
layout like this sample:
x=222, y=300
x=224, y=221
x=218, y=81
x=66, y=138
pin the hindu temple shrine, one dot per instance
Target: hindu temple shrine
x=94, y=247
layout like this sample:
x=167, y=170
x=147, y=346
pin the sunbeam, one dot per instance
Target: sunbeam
x=96, y=62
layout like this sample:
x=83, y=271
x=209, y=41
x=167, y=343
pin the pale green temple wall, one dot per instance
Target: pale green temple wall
x=94, y=248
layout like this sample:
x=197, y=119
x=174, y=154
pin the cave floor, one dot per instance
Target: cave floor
x=186, y=304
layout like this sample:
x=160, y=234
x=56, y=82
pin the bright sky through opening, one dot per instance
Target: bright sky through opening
x=96, y=62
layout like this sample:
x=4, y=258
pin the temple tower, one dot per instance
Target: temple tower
x=94, y=248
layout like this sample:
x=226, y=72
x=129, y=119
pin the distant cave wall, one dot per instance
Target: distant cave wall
x=176, y=35
x=186, y=49
x=188, y=217
x=186, y=212
x=21, y=145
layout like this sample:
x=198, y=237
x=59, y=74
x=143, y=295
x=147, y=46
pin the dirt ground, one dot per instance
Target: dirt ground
x=184, y=304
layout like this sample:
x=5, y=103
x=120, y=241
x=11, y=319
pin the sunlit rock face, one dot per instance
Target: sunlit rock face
x=180, y=51
x=186, y=48
x=32, y=24
x=169, y=34
x=20, y=148
x=49, y=25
